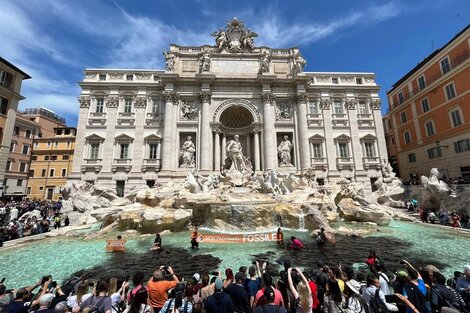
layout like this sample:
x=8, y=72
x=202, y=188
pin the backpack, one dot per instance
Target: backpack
x=420, y=301
x=93, y=308
x=376, y=304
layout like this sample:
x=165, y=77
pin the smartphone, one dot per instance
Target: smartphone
x=215, y=273
x=392, y=299
x=91, y=284
x=3, y=280
x=53, y=284
x=45, y=278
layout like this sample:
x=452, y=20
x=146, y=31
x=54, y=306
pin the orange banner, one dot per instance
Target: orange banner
x=237, y=238
x=114, y=245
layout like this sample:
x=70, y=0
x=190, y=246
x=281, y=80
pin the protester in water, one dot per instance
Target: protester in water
x=280, y=237
x=157, y=243
x=194, y=238
x=321, y=237
x=296, y=244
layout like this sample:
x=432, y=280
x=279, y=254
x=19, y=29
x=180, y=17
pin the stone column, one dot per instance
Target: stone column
x=138, y=146
x=108, y=154
x=303, y=130
x=269, y=134
x=379, y=128
x=205, y=137
x=80, y=151
x=330, y=144
x=159, y=157
x=216, y=150
x=356, y=146
x=224, y=152
x=248, y=146
x=256, y=150
x=169, y=97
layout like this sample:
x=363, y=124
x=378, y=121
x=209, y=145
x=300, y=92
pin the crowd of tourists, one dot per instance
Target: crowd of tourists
x=441, y=216
x=322, y=288
x=29, y=217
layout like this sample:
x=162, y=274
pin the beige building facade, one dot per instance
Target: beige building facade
x=141, y=127
x=11, y=78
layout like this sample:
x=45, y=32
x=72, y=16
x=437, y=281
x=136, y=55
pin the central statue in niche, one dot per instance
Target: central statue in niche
x=237, y=167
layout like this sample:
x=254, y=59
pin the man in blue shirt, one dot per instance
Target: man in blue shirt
x=463, y=285
x=415, y=290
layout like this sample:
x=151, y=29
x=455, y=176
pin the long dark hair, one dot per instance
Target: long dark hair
x=334, y=292
x=140, y=298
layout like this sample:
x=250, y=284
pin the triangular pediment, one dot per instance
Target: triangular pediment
x=368, y=137
x=152, y=137
x=123, y=137
x=317, y=137
x=343, y=137
x=94, y=137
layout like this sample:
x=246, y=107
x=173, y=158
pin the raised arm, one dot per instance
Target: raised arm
x=305, y=280
x=291, y=285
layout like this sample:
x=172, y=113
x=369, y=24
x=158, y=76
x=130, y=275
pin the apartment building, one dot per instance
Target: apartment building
x=428, y=124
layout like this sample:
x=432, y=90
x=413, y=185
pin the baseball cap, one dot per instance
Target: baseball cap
x=402, y=273
x=196, y=277
x=269, y=294
x=218, y=283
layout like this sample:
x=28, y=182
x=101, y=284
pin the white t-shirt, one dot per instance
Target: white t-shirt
x=72, y=300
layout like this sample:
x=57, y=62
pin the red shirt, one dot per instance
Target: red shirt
x=260, y=299
x=313, y=288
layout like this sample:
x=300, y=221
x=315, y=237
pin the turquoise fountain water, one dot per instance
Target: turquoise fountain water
x=63, y=256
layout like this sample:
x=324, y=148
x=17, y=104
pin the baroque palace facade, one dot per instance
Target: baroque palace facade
x=140, y=127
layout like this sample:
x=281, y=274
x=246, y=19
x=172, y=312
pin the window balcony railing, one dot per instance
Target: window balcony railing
x=126, y=114
x=125, y=164
x=371, y=162
x=344, y=162
x=122, y=161
x=98, y=114
x=150, y=164
x=318, y=162
x=93, y=161
x=339, y=116
x=92, y=164
x=364, y=116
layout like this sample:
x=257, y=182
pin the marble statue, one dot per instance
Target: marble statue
x=248, y=38
x=187, y=153
x=283, y=111
x=220, y=39
x=299, y=63
x=387, y=170
x=196, y=183
x=169, y=61
x=205, y=62
x=235, y=154
x=188, y=110
x=264, y=62
x=284, y=152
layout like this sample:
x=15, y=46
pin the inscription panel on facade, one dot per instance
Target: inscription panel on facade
x=222, y=65
x=189, y=66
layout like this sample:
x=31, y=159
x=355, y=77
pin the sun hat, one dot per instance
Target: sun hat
x=354, y=285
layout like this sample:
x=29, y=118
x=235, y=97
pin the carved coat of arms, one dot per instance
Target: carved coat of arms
x=235, y=38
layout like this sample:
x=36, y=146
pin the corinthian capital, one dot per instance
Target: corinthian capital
x=268, y=97
x=301, y=97
x=170, y=96
x=140, y=102
x=326, y=103
x=351, y=104
x=205, y=96
x=375, y=104
x=112, y=101
x=84, y=101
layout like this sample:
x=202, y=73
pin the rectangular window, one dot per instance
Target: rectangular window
x=25, y=149
x=19, y=183
x=425, y=105
x=51, y=172
x=41, y=188
x=99, y=105
x=435, y=152
x=12, y=147
x=359, y=81
x=31, y=173
x=36, y=144
x=430, y=128
x=5, y=79
x=4, y=105
x=407, y=137
x=153, y=151
x=317, y=150
x=403, y=117
x=127, y=105
x=68, y=143
x=34, y=158
x=46, y=158
x=102, y=76
x=67, y=131
x=49, y=143
x=343, y=149
x=411, y=158
x=363, y=107
x=445, y=65
x=338, y=107
x=369, y=149
x=155, y=105
x=53, y=157
x=401, y=98
x=43, y=173
x=65, y=157
x=58, y=132
x=450, y=91
x=334, y=80
x=124, y=151
x=28, y=133
x=313, y=107
x=56, y=143
x=94, y=151
x=22, y=167
x=16, y=131
x=462, y=145
x=130, y=77
x=64, y=172
x=456, y=118
x=421, y=82
x=28, y=190
x=8, y=167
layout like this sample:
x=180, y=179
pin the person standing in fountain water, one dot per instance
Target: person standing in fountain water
x=296, y=244
x=157, y=243
x=280, y=237
x=194, y=239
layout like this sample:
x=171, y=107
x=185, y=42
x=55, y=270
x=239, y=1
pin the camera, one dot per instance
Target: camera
x=215, y=273
x=45, y=278
x=165, y=270
x=127, y=278
x=91, y=284
x=53, y=284
x=9, y=291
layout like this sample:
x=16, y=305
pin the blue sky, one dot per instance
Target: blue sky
x=54, y=40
